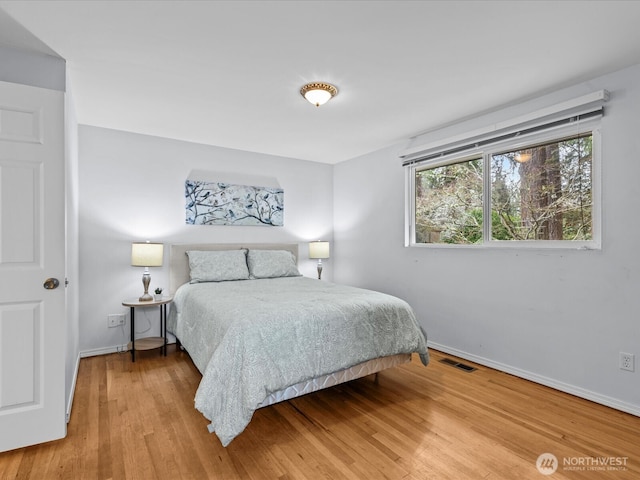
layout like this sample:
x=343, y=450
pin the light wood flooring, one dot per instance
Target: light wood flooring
x=137, y=421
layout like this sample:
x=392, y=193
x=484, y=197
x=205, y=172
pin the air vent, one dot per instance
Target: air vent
x=456, y=364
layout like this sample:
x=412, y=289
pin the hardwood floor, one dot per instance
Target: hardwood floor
x=137, y=421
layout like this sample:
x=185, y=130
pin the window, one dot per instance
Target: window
x=536, y=190
x=448, y=203
x=543, y=192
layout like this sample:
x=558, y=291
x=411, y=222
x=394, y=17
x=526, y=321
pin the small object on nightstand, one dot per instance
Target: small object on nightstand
x=148, y=343
x=158, y=294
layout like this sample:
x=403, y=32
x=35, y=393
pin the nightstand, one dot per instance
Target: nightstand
x=148, y=343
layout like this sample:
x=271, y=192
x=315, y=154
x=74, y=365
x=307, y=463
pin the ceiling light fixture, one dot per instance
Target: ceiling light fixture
x=318, y=93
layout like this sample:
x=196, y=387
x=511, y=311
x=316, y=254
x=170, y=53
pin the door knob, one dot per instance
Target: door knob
x=51, y=283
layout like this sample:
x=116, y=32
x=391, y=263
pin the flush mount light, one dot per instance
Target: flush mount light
x=318, y=93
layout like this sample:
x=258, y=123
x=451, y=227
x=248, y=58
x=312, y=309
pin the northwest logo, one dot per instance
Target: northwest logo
x=547, y=464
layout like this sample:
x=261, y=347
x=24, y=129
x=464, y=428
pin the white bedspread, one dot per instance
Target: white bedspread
x=251, y=338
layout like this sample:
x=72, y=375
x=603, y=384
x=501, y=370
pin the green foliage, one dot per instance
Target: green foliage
x=472, y=232
x=446, y=198
x=539, y=193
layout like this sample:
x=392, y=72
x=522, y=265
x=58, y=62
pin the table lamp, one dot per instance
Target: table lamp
x=146, y=255
x=319, y=250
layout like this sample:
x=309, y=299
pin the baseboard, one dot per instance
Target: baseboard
x=103, y=351
x=542, y=380
x=73, y=389
x=113, y=349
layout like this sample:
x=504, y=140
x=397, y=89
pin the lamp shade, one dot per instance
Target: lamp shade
x=319, y=249
x=146, y=254
x=317, y=97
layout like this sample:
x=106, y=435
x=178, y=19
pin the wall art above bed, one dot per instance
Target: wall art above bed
x=217, y=203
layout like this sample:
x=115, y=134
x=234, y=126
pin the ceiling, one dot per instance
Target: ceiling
x=228, y=73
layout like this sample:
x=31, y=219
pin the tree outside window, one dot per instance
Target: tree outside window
x=541, y=192
x=544, y=192
x=449, y=203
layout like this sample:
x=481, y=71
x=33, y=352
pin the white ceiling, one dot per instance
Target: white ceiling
x=228, y=73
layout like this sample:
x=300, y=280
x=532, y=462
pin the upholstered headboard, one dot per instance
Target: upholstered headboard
x=179, y=262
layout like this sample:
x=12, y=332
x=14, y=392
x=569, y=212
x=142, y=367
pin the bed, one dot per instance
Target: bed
x=261, y=333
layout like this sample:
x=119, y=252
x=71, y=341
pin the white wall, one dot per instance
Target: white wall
x=32, y=68
x=132, y=189
x=559, y=317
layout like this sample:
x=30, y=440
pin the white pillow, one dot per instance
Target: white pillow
x=217, y=265
x=272, y=264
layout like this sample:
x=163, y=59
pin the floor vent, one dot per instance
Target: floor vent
x=461, y=366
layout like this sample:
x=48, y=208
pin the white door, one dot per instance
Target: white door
x=32, y=318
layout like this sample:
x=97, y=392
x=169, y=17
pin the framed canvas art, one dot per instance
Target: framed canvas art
x=217, y=203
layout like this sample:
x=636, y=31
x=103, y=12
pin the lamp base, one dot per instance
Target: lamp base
x=146, y=279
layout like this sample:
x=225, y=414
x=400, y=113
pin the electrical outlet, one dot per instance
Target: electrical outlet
x=627, y=361
x=115, y=320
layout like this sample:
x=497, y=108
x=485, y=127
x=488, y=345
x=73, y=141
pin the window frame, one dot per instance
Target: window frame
x=592, y=126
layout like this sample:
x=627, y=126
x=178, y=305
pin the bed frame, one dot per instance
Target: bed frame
x=179, y=275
